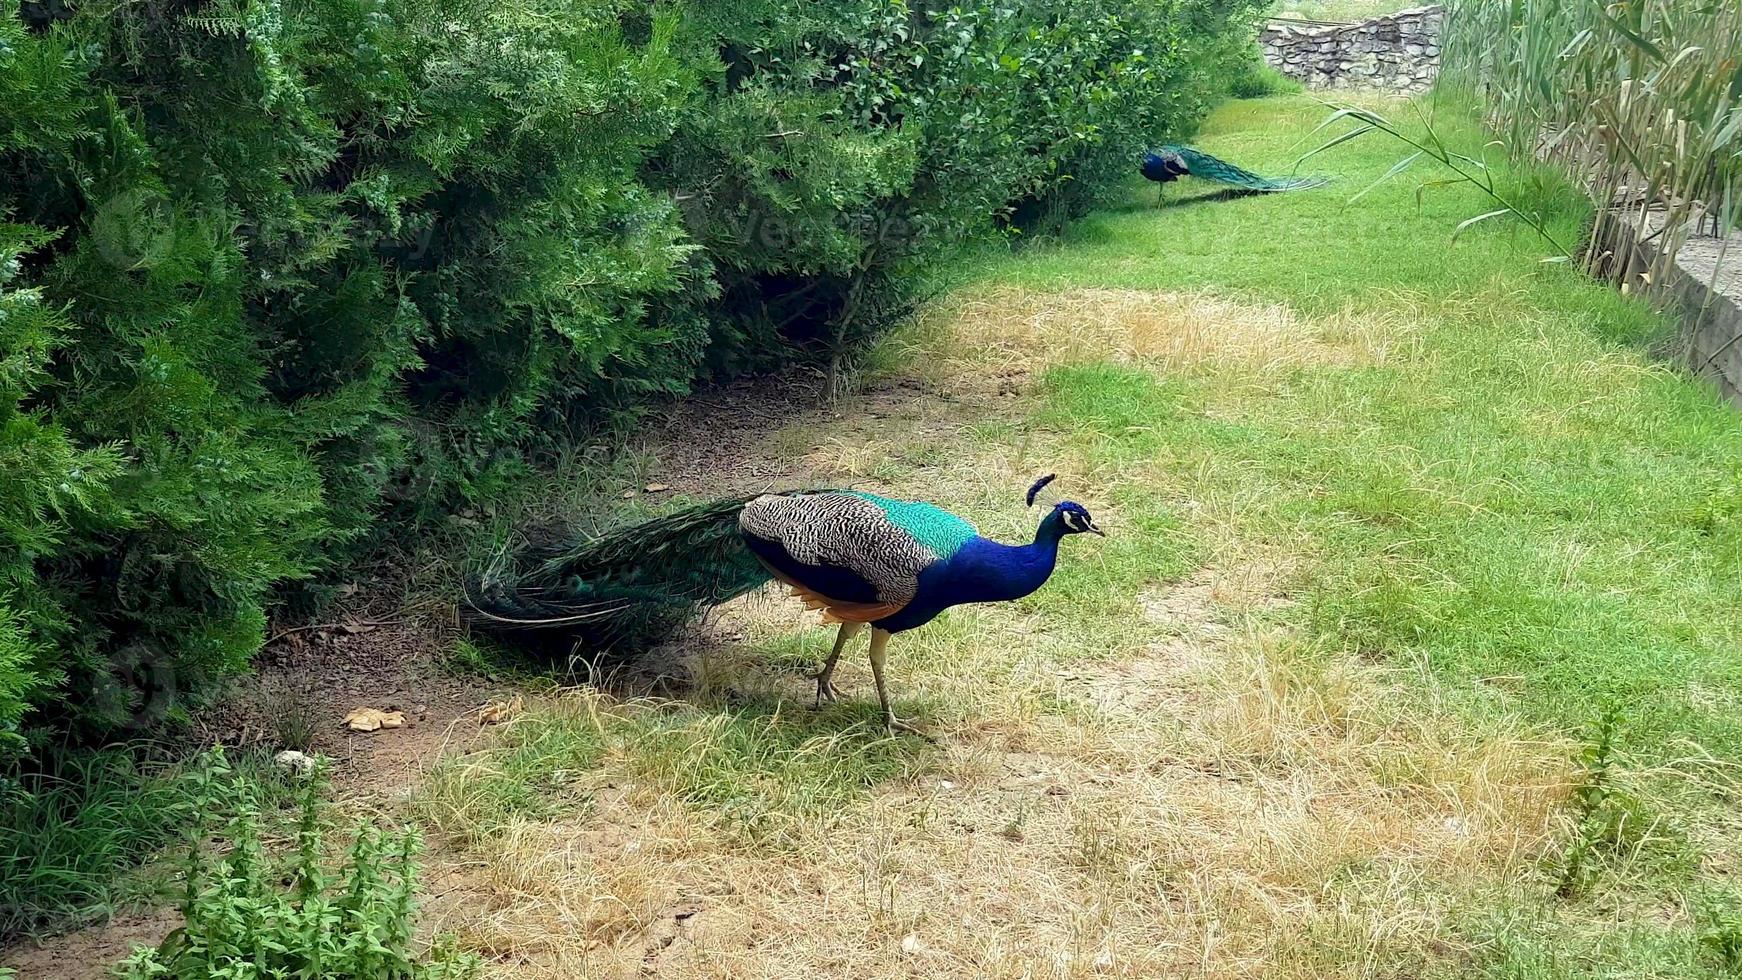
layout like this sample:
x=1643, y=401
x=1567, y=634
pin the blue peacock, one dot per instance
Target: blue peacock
x=1172, y=161
x=858, y=558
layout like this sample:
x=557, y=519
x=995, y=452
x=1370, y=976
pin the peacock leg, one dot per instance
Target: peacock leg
x=879, y=640
x=825, y=677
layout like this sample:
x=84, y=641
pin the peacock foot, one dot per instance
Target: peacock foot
x=826, y=689
x=897, y=726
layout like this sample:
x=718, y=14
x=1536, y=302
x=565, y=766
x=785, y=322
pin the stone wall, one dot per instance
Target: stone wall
x=1398, y=52
x=1704, y=291
x=1711, y=302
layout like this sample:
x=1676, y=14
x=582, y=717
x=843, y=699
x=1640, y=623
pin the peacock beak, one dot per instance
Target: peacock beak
x=1095, y=528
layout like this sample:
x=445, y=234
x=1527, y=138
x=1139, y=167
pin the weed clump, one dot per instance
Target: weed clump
x=249, y=914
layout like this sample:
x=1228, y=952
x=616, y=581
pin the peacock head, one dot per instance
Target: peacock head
x=1075, y=518
x=1072, y=517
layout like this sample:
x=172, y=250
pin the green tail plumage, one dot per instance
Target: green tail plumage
x=623, y=590
x=1171, y=161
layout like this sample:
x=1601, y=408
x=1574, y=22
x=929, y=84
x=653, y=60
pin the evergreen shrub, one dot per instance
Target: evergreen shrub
x=279, y=275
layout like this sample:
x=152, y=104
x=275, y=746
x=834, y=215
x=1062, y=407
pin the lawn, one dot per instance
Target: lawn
x=1341, y=10
x=1507, y=494
x=1511, y=489
x=1412, y=650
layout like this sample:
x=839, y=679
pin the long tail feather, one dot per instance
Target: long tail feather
x=621, y=591
x=1199, y=164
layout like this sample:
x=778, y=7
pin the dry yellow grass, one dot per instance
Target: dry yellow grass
x=1202, y=794
x=1242, y=811
x=1001, y=331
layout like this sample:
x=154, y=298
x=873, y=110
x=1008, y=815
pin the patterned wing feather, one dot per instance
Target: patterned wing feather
x=858, y=554
x=937, y=529
x=1202, y=165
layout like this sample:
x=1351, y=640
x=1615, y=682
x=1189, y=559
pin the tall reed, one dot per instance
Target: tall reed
x=1641, y=101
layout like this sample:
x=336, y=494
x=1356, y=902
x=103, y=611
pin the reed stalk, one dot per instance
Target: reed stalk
x=1640, y=101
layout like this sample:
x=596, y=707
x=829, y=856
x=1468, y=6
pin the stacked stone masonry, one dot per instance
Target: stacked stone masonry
x=1398, y=52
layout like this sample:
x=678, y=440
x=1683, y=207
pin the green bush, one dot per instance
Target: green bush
x=275, y=278
x=245, y=915
x=1255, y=79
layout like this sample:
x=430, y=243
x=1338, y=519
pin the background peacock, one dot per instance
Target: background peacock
x=858, y=558
x=1172, y=161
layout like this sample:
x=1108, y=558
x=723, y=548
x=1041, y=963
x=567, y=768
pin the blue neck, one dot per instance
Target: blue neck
x=987, y=571
x=1047, y=535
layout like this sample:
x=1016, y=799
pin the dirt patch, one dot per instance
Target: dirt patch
x=716, y=441
x=766, y=433
x=89, y=954
x=1152, y=849
x=1209, y=801
x=309, y=679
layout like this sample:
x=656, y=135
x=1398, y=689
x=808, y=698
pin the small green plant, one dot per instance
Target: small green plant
x=1599, y=811
x=250, y=915
x=80, y=829
x=72, y=827
x=1721, y=935
x=295, y=714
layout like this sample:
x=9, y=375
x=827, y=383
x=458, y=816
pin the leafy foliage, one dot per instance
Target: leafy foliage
x=276, y=277
x=244, y=916
x=1255, y=79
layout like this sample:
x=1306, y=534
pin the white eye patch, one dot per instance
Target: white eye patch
x=1072, y=519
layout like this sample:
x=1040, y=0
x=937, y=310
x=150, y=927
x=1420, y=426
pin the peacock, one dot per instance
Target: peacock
x=858, y=558
x=1172, y=161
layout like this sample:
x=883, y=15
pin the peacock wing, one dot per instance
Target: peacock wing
x=857, y=556
x=1163, y=165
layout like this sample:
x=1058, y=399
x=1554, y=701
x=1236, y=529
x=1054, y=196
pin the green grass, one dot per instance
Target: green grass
x=1523, y=493
x=758, y=768
x=751, y=763
x=67, y=835
x=1257, y=80
x=1516, y=496
x=1341, y=10
x=73, y=834
x=1314, y=250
